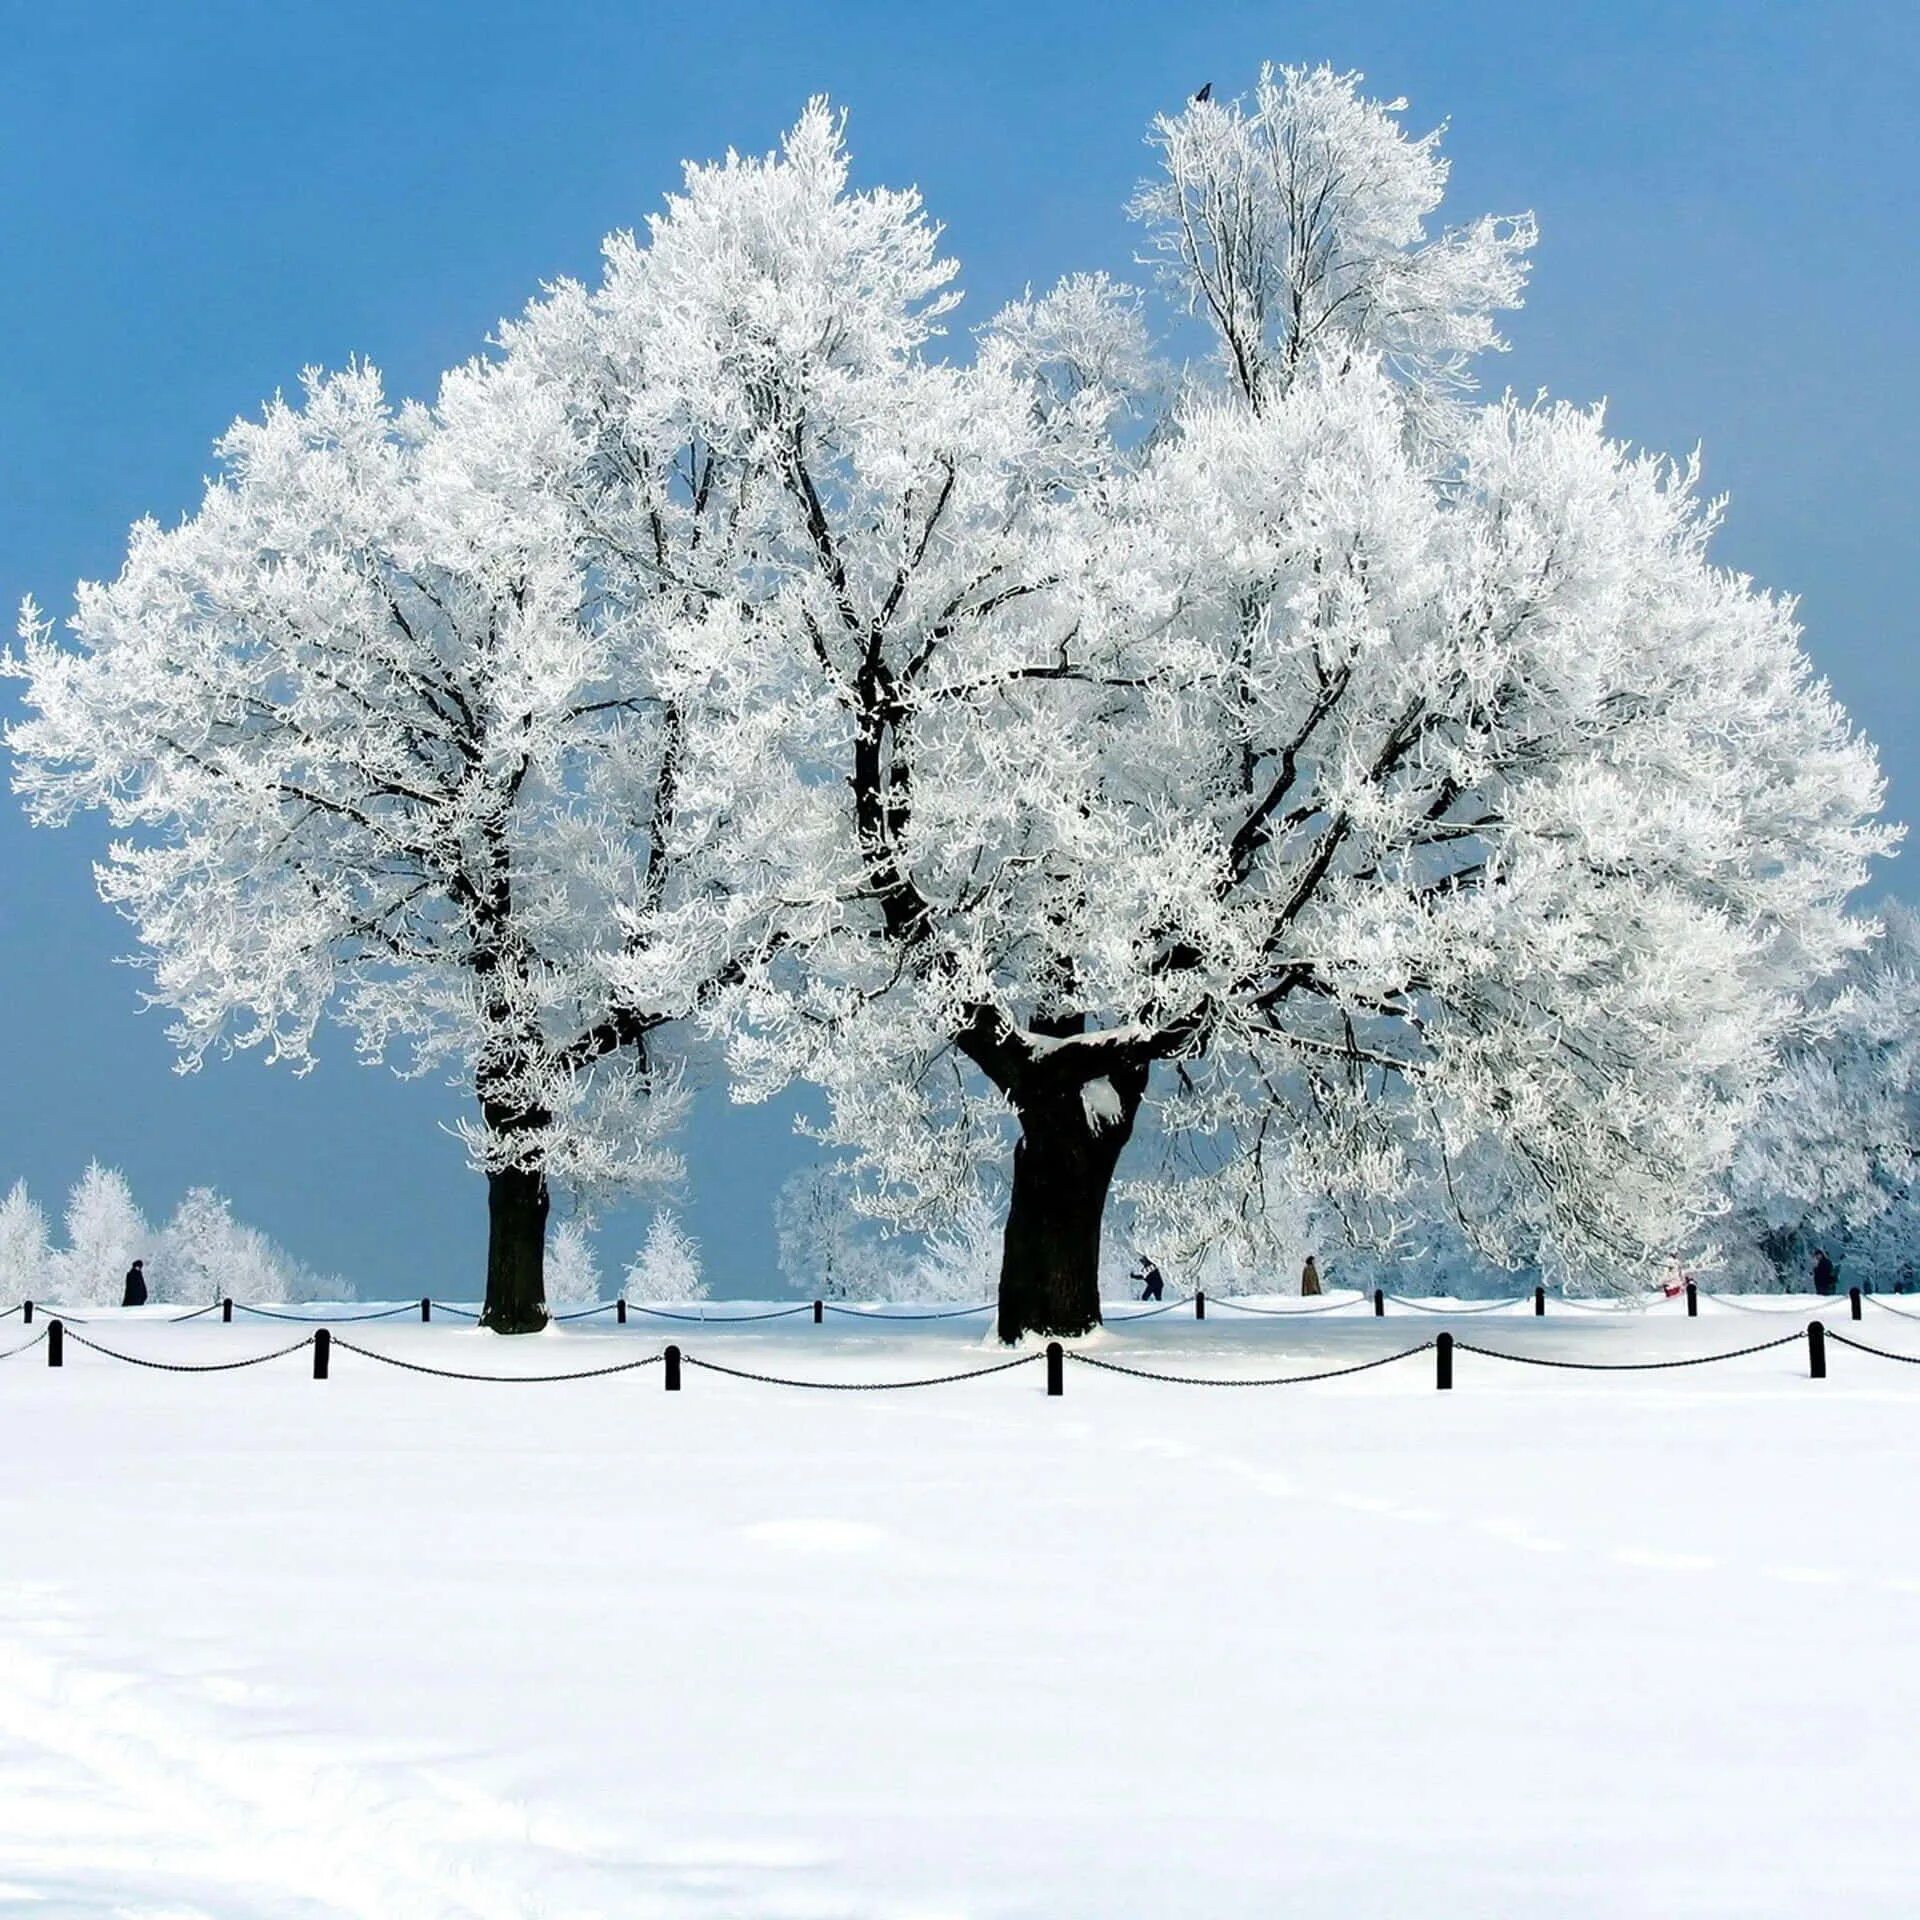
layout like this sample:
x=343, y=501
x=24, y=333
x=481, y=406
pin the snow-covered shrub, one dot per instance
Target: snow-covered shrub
x=668, y=1266
x=573, y=1271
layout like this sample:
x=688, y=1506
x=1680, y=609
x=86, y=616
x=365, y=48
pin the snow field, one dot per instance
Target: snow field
x=1556, y=1642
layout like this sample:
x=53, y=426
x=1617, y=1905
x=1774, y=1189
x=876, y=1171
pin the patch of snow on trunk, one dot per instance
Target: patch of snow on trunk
x=1101, y=1104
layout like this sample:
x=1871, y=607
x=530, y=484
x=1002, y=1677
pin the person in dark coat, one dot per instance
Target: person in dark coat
x=136, y=1285
x=1156, y=1286
x=1825, y=1278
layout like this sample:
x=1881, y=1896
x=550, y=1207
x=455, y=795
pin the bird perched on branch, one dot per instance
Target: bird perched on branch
x=1205, y=93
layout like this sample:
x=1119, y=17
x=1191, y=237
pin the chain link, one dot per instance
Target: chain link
x=1286, y=1313
x=868, y=1313
x=1879, y=1353
x=1229, y=1380
x=1824, y=1304
x=1899, y=1313
x=862, y=1386
x=1623, y=1366
x=321, y=1320
x=1485, y=1306
x=181, y=1366
x=27, y=1346
x=725, y=1320
x=498, y=1379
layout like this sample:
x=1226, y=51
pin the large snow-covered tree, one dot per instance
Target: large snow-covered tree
x=381, y=744
x=1341, y=773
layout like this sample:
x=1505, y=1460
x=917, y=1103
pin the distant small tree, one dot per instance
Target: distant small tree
x=668, y=1265
x=203, y=1253
x=1832, y=1157
x=106, y=1233
x=573, y=1269
x=961, y=1259
x=25, y=1257
x=828, y=1250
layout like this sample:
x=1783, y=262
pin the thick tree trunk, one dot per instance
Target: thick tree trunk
x=1063, y=1165
x=516, y=1251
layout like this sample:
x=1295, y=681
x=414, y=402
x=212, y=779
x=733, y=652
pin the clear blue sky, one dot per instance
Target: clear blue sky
x=198, y=199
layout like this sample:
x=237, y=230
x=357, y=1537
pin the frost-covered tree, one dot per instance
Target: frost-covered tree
x=106, y=1233
x=1295, y=222
x=668, y=1265
x=382, y=744
x=1832, y=1153
x=1336, y=773
x=25, y=1257
x=573, y=1270
x=203, y=1253
x=961, y=1259
x=828, y=1249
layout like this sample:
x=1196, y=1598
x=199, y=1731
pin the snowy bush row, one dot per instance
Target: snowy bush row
x=667, y=1267
x=201, y=1254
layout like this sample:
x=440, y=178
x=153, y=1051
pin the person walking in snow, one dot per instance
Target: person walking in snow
x=1825, y=1277
x=1156, y=1286
x=1309, y=1278
x=136, y=1294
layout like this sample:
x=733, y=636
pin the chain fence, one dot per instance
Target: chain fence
x=323, y=1341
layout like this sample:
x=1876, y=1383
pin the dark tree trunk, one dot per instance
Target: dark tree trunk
x=516, y=1251
x=1063, y=1166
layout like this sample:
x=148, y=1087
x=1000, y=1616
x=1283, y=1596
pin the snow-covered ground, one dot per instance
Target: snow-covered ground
x=397, y=1647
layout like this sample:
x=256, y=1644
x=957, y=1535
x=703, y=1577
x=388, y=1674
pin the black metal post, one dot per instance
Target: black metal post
x=26, y=1311
x=1853, y=1301
x=1199, y=1306
x=819, y=1312
x=1443, y=1362
x=1539, y=1303
x=1693, y=1301
x=322, y=1353
x=672, y=1369
x=620, y=1311
x=56, y=1344
x=226, y=1311
x=1056, y=1370
x=1816, y=1350
x=1379, y=1304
